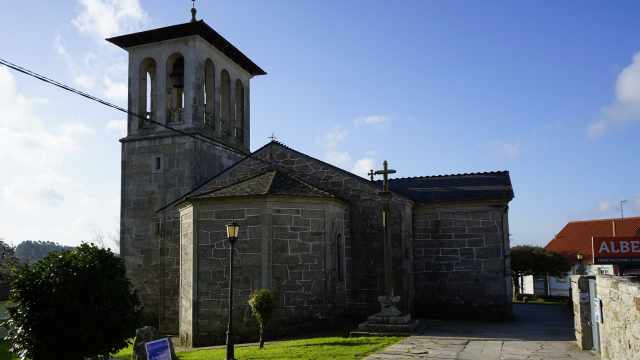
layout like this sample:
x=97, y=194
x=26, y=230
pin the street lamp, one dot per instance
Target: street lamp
x=579, y=256
x=232, y=234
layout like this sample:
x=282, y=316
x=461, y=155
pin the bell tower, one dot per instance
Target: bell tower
x=188, y=78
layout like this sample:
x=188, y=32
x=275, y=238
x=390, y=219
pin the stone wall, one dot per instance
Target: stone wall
x=620, y=326
x=363, y=227
x=461, y=256
x=286, y=245
x=581, y=311
x=144, y=189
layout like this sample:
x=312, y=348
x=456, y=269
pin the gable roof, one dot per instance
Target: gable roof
x=460, y=187
x=255, y=155
x=199, y=28
x=575, y=237
x=274, y=182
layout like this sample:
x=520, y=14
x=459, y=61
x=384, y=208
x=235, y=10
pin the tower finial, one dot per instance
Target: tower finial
x=193, y=11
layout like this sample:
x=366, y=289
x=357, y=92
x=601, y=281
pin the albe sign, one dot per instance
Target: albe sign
x=616, y=250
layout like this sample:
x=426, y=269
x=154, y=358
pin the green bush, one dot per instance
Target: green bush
x=262, y=304
x=73, y=305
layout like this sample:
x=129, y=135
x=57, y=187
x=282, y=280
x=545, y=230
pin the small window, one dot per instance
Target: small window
x=340, y=258
x=156, y=228
x=540, y=278
x=603, y=271
x=157, y=163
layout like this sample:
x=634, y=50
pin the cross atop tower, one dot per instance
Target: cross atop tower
x=384, y=172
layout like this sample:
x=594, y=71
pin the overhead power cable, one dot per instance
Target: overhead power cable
x=147, y=119
x=150, y=120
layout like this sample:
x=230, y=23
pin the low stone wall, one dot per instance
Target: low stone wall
x=581, y=311
x=620, y=326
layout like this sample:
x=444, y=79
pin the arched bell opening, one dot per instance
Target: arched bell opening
x=147, y=91
x=175, y=89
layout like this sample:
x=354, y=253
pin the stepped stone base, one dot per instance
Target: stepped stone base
x=389, y=321
x=397, y=326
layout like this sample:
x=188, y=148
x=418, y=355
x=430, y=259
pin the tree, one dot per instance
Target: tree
x=82, y=296
x=35, y=250
x=8, y=260
x=536, y=261
x=262, y=304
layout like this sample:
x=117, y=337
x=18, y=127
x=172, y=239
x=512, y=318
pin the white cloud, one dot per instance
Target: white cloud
x=115, y=90
x=332, y=138
x=363, y=166
x=117, y=125
x=502, y=149
x=608, y=209
x=95, y=203
x=33, y=193
x=339, y=158
x=625, y=110
x=73, y=129
x=101, y=19
x=378, y=121
x=22, y=137
x=57, y=45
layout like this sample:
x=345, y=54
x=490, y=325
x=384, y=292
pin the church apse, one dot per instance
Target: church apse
x=287, y=244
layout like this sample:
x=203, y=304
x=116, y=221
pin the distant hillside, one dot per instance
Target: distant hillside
x=36, y=250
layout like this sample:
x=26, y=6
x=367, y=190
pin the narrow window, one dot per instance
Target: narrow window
x=239, y=111
x=156, y=228
x=157, y=163
x=339, y=258
x=225, y=103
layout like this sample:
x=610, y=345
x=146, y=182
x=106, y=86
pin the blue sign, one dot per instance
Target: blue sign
x=158, y=350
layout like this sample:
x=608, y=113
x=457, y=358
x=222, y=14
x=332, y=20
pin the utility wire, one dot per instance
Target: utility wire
x=149, y=120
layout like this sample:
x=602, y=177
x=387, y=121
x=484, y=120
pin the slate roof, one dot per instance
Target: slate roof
x=461, y=187
x=274, y=182
x=575, y=237
x=189, y=29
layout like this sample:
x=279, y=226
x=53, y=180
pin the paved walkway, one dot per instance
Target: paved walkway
x=538, y=332
x=419, y=347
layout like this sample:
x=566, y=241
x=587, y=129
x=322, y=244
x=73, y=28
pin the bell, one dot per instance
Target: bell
x=178, y=84
x=178, y=73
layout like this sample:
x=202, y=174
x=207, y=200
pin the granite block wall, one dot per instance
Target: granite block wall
x=620, y=326
x=363, y=227
x=145, y=188
x=286, y=245
x=461, y=260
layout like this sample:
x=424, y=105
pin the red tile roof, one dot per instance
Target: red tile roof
x=575, y=237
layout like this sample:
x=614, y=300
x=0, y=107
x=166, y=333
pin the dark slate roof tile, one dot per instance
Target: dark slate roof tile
x=461, y=187
x=274, y=182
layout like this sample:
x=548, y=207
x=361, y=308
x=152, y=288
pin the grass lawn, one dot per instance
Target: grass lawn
x=328, y=347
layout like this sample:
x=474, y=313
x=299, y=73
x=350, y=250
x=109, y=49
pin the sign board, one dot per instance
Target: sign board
x=597, y=305
x=158, y=350
x=616, y=250
x=584, y=297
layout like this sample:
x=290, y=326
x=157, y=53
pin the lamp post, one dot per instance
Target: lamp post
x=579, y=256
x=232, y=234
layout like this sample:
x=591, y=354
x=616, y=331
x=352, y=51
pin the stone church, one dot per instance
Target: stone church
x=310, y=232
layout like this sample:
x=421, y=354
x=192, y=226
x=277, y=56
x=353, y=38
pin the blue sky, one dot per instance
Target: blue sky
x=547, y=90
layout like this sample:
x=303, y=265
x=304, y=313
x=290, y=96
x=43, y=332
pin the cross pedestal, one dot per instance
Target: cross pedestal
x=389, y=320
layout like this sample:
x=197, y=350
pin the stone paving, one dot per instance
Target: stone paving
x=538, y=332
x=419, y=347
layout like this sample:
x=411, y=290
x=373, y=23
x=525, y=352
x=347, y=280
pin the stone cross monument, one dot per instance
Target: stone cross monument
x=389, y=320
